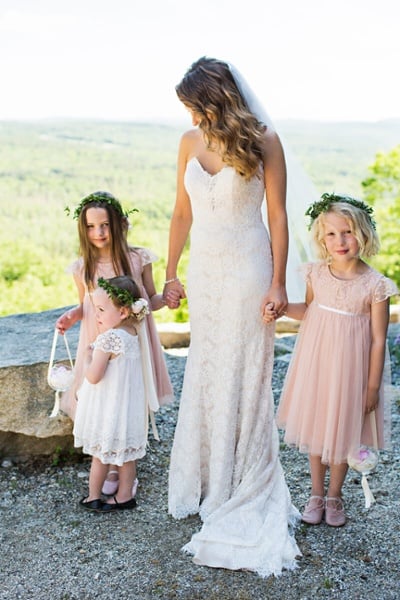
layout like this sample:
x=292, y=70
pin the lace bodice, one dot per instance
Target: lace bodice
x=117, y=341
x=223, y=200
x=139, y=258
x=354, y=295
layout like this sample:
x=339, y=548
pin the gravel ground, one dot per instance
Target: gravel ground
x=52, y=549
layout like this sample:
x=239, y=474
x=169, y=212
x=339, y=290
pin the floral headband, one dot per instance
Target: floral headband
x=139, y=306
x=103, y=198
x=327, y=200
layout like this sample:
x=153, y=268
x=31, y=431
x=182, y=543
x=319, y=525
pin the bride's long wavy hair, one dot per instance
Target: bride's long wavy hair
x=208, y=89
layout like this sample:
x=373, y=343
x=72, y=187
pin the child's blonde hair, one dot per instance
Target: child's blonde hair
x=360, y=224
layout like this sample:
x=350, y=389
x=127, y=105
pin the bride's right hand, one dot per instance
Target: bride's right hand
x=173, y=293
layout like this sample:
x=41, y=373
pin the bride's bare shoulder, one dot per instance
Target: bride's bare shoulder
x=271, y=142
x=191, y=140
x=271, y=137
x=191, y=136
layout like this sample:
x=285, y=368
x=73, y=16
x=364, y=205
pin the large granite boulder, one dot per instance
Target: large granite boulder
x=26, y=399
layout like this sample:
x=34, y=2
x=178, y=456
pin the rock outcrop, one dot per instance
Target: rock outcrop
x=26, y=399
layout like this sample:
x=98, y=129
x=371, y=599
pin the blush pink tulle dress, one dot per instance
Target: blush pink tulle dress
x=139, y=258
x=323, y=397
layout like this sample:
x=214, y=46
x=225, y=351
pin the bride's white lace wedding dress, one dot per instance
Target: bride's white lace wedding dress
x=224, y=463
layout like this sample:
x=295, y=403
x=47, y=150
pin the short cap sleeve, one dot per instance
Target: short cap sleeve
x=306, y=270
x=384, y=288
x=147, y=256
x=110, y=341
x=75, y=268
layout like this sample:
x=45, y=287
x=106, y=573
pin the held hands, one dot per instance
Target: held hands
x=274, y=304
x=173, y=293
x=269, y=313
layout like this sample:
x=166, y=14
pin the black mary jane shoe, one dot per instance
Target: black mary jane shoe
x=129, y=504
x=93, y=505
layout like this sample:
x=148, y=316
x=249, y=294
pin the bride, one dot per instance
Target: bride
x=224, y=462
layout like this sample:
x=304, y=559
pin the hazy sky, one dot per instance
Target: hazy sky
x=319, y=59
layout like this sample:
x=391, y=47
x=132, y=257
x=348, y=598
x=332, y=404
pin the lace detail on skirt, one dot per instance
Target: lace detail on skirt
x=224, y=462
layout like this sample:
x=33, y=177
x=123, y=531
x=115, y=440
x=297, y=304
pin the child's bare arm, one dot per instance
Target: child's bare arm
x=148, y=281
x=73, y=315
x=98, y=361
x=156, y=300
x=296, y=310
x=379, y=325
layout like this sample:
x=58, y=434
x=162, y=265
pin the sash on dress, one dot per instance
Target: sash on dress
x=148, y=379
x=336, y=310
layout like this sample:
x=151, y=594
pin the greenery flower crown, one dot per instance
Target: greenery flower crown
x=327, y=200
x=102, y=197
x=139, y=306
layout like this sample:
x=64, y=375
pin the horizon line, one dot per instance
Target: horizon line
x=184, y=122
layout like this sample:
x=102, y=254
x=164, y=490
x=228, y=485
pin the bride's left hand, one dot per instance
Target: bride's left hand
x=276, y=296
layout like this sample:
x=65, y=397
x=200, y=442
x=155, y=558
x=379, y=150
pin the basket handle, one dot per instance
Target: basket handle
x=53, y=351
x=56, y=406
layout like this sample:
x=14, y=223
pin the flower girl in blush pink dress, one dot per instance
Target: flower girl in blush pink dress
x=335, y=377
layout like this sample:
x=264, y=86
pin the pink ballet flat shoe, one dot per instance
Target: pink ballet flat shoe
x=313, y=511
x=110, y=486
x=334, y=512
x=135, y=487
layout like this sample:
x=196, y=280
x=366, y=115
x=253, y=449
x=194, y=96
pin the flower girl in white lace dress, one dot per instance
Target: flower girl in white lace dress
x=117, y=393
